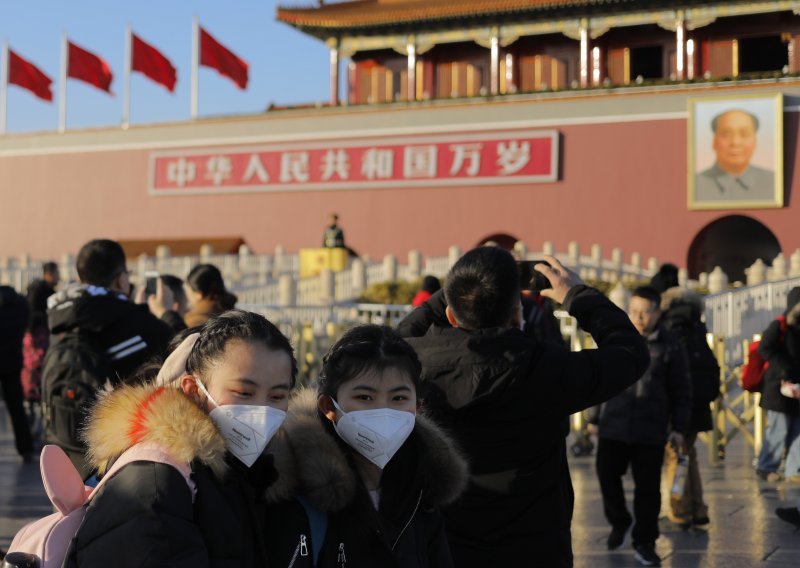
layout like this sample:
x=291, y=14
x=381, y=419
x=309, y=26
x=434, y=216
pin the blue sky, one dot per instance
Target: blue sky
x=286, y=66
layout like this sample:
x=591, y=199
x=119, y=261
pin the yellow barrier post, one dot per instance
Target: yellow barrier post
x=758, y=425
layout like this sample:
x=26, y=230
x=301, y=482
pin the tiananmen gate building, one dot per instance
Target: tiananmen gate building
x=668, y=128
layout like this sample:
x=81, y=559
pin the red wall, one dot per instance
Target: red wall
x=622, y=185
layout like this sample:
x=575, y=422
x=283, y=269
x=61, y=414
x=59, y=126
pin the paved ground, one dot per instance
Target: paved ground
x=22, y=497
x=744, y=531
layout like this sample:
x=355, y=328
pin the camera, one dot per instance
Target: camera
x=530, y=278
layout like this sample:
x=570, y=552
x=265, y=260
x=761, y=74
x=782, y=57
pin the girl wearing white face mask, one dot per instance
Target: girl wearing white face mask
x=218, y=400
x=366, y=471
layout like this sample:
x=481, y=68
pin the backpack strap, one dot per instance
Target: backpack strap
x=318, y=521
x=148, y=451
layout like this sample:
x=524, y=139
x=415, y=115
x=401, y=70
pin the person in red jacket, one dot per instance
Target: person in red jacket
x=430, y=285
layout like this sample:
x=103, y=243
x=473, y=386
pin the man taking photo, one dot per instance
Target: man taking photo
x=505, y=396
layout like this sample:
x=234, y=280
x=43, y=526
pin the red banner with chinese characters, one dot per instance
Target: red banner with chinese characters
x=486, y=158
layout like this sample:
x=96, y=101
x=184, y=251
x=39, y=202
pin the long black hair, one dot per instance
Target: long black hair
x=374, y=348
x=207, y=280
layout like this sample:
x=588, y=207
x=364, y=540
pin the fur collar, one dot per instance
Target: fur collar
x=679, y=296
x=309, y=460
x=131, y=414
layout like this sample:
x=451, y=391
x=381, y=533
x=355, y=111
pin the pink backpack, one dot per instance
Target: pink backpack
x=48, y=539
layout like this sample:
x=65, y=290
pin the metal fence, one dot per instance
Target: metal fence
x=740, y=314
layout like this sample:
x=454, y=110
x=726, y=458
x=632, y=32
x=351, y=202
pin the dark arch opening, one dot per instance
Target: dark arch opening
x=503, y=240
x=733, y=243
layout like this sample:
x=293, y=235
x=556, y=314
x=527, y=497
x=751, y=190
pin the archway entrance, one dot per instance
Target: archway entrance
x=503, y=240
x=733, y=243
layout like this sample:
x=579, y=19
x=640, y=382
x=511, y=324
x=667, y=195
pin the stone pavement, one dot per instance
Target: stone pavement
x=744, y=531
x=22, y=497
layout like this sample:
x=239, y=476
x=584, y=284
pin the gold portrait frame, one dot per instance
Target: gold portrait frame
x=778, y=189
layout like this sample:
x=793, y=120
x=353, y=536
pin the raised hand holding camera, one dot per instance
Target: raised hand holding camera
x=561, y=279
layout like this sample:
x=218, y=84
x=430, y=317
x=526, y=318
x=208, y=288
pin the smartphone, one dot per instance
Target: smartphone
x=530, y=278
x=150, y=279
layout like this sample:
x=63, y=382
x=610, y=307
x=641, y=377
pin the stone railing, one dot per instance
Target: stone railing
x=274, y=279
x=241, y=271
x=348, y=285
x=732, y=315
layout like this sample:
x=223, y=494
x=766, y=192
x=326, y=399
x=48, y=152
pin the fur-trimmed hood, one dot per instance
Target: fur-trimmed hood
x=131, y=414
x=679, y=296
x=310, y=461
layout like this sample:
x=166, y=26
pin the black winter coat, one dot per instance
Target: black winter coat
x=431, y=312
x=683, y=322
x=128, y=332
x=13, y=322
x=145, y=516
x=784, y=363
x=408, y=532
x=661, y=401
x=505, y=398
x=38, y=293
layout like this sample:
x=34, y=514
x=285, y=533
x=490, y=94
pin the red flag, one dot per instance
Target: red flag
x=88, y=67
x=148, y=60
x=26, y=75
x=214, y=54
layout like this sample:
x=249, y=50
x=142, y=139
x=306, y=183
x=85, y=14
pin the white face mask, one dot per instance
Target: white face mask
x=375, y=434
x=247, y=429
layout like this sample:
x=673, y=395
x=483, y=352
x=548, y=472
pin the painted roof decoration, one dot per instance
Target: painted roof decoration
x=355, y=14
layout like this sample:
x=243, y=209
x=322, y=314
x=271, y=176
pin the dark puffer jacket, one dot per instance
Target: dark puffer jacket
x=782, y=351
x=128, y=332
x=38, y=292
x=505, y=397
x=13, y=322
x=406, y=531
x=683, y=309
x=431, y=312
x=661, y=401
x=145, y=515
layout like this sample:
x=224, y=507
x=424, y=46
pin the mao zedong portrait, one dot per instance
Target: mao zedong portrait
x=732, y=177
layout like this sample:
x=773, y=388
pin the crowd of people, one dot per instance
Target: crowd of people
x=441, y=443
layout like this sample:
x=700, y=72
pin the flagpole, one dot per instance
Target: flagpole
x=195, y=65
x=62, y=87
x=4, y=86
x=126, y=94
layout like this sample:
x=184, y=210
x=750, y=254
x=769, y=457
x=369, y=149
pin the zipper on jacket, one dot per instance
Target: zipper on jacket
x=300, y=550
x=341, y=559
x=294, y=556
x=411, y=518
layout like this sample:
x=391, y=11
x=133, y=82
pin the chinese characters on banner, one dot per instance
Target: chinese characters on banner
x=517, y=157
